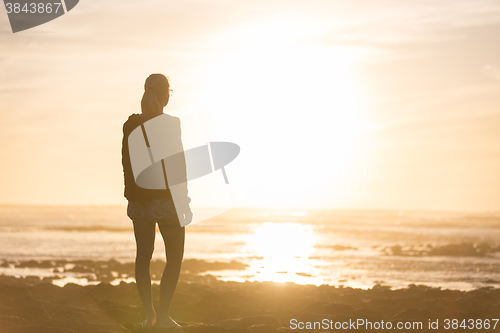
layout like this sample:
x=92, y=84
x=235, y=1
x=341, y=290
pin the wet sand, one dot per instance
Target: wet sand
x=205, y=304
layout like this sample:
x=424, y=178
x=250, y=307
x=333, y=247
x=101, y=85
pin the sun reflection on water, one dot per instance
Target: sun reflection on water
x=282, y=251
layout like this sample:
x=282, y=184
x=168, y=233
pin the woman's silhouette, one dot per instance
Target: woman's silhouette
x=147, y=207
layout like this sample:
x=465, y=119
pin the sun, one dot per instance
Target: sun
x=306, y=93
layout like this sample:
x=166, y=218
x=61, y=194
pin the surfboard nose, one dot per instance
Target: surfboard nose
x=223, y=153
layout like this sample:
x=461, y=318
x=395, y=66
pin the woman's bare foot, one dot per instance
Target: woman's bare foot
x=150, y=321
x=167, y=322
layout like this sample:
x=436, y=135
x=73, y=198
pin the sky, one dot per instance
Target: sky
x=335, y=104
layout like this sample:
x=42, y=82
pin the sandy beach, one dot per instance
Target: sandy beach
x=72, y=270
x=204, y=304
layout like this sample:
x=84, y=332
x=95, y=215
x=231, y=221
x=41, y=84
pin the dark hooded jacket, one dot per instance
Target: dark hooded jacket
x=132, y=191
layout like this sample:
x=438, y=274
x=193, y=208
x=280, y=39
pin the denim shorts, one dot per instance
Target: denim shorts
x=149, y=212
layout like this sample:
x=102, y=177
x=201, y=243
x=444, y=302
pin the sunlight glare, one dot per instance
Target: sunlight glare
x=284, y=249
x=306, y=96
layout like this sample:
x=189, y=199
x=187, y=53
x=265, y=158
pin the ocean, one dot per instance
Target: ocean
x=358, y=249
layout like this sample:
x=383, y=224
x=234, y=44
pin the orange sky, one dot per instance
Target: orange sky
x=354, y=104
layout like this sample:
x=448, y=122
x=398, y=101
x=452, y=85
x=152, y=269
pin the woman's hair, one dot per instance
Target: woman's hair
x=155, y=86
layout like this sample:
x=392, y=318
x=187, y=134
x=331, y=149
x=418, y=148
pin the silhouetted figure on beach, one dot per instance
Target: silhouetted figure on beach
x=146, y=207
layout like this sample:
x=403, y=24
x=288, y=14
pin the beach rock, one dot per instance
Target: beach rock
x=70, y=319
x=78, y=297
x=211, y=312
x=230, y=323
x=386, y=306
x=202, y=328
x=14, y=319
x=257, y=320
x=479, y=314
x=104, y=290
x=9, y=321
x=263, y=328
x=193, y=290
x=434, y=311
x=288, y=329
x=10, y=292
x=349, y=298
x=453, y=315
x=122, y=314
x=93, y=327
x=413, y=314
x=236, y=330
x=286, y=303
x=312, y=317
x=28, y=300
x=33, y=314
x=43, y=290
x=37, y=329
x=5, y=324
x=72, y=286
x=329, y=308
x=368, y=314
x=437, y=293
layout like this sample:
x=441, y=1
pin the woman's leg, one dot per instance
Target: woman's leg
x=174, y=248
x=145, y=238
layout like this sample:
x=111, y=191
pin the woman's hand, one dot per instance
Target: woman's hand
x=187, y=214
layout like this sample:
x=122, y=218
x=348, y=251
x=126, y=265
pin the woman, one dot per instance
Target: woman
x=147, y=207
